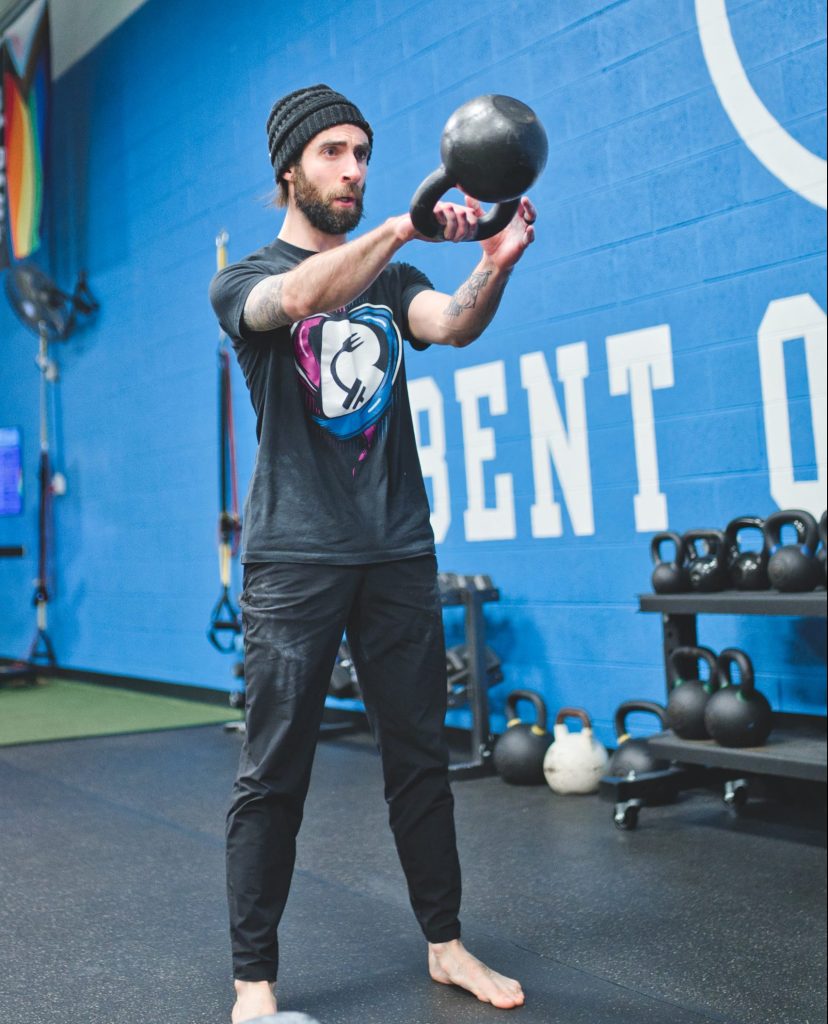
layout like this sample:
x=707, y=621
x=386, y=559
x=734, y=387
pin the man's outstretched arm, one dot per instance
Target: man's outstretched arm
x=460, y=318
x=331, y=279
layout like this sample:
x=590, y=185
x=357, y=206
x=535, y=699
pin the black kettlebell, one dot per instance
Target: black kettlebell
x=634, y=757
x=707, y=569
x=493, y=148
x=738, y=716
x=669, y=577
x=689, y=694
x=748, y=570
x=823, y=537
x=792, y=568
x=519, y=752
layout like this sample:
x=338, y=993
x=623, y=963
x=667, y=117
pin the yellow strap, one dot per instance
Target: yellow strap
x=623, y=738
x=222, y=238
x=225, y=559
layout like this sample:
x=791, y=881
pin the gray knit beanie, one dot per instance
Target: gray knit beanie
x=297, y=117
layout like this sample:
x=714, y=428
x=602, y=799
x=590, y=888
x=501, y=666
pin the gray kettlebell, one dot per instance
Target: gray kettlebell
x=575, y=762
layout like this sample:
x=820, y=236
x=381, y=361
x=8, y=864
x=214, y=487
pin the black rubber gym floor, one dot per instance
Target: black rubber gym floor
x=112, y=902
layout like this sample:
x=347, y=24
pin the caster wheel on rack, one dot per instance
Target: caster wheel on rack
x=626, y=815
x=735, y=794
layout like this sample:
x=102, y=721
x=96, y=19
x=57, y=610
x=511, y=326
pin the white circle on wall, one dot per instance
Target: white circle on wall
x=795, y=166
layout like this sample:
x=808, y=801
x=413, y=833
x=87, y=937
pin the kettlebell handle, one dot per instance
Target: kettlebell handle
x=578, y=713
x=715, y=540
x=662, y=538
x=807, y=530
x=429, y=193
x=731, y=656
x=697, y=654
x=534, y=699
x=631, y=706
x=735, y=526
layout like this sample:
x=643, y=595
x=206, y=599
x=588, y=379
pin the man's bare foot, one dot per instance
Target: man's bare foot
x=451, y=963
x=253, y=999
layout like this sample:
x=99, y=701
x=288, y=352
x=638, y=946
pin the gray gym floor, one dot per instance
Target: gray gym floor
x=112, y=903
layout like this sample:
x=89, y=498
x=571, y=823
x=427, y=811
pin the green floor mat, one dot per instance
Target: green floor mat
x=58, y=709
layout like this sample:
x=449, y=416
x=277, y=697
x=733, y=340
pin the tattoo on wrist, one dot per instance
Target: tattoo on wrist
x=466, y=295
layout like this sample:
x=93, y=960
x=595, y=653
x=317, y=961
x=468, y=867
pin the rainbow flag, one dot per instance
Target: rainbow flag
x=24, y=100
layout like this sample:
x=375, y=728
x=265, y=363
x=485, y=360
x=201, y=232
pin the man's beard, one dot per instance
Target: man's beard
x=316, y=206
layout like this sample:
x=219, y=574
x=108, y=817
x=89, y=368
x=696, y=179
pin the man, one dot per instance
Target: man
x=336, y=528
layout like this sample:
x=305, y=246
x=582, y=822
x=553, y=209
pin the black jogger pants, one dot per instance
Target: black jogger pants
x=294, y=618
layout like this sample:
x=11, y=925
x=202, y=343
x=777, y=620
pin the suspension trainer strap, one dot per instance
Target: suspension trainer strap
x=41, y=649
x=224, y=619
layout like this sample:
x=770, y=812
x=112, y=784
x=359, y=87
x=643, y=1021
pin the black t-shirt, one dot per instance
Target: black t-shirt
x=337, y=476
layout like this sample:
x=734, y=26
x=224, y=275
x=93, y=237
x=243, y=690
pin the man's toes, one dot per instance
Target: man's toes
x=505, y=1002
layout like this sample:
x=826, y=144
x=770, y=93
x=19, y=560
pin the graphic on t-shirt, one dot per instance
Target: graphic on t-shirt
x=348, y=362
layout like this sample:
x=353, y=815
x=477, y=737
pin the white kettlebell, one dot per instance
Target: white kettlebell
x=576, y=761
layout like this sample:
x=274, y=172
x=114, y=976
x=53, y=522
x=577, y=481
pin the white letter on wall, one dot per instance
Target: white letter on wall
x=470, y=385
x=425, y=397
x=798, y=316
x=638, y=362
x=569, y=451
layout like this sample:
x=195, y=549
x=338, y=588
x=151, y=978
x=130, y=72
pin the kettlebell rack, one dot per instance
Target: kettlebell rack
x=480, y=668
x=472, y=592
x=796, y=748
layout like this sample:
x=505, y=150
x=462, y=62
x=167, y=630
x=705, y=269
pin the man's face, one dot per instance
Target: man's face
x=329, y=180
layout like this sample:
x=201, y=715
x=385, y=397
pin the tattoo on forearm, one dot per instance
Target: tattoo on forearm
x=266, y=312
x=466, y=295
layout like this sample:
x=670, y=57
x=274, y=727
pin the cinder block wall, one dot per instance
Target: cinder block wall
x=618, y=391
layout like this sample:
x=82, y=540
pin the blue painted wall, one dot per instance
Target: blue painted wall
x=653, y=214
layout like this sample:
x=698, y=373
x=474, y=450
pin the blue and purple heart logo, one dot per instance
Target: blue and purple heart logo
x=348, y=362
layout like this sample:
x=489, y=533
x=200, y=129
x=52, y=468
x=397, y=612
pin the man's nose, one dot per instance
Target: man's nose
x=353, y=169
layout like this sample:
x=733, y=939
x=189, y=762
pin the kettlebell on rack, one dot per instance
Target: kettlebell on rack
x=748, y=570
x=519, y=752
x=792, y=568
x=707, y=570
x=738, y=716
x=633, y=757
x=689, y=696
x=669, y=577
x=575, y=762
x=823, y=537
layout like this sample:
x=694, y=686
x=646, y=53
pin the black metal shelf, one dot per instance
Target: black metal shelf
x=738, y=602
x=796, y=748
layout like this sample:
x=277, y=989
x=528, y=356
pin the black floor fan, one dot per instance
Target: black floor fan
x=52, y=315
